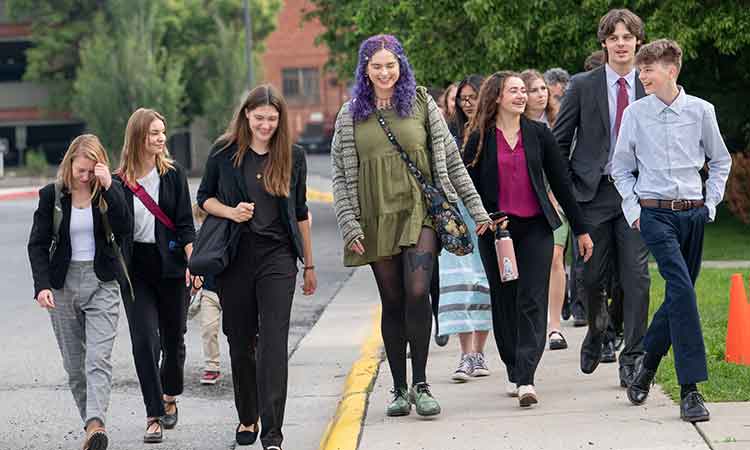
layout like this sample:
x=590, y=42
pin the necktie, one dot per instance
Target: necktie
x=622, y=103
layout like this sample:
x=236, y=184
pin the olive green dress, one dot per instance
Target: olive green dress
x=393, y=207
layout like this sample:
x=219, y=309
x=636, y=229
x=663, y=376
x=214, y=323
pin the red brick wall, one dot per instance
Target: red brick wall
x=292, y=45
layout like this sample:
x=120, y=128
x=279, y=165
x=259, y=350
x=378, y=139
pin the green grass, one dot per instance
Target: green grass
x=726, y=238
x=726, y=382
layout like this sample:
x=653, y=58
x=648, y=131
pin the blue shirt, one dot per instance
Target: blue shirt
x=612, y=89
x=668, y=145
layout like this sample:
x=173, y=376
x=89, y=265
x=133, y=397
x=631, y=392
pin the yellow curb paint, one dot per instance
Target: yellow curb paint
x=344, y=429
x=319, y=196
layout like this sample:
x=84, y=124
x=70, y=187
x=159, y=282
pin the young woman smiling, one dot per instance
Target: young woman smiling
x=158, y=198
x=380, y=208
x=509, y=157
x=256, y=179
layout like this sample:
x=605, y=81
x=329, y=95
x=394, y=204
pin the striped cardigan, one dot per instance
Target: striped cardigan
x=448, y=170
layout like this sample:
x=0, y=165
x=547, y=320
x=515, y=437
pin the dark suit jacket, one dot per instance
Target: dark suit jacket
x=174, y=200
x=543, y=157
x=51, y=274
x=583, y=123
x=225, y=182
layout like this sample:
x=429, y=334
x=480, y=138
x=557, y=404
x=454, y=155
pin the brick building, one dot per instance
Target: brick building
x=293, y=63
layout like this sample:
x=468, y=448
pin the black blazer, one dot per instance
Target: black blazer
x=583, y=123
x=174, y=200
x=224, y=181
x=51, y=274
x=542, y=158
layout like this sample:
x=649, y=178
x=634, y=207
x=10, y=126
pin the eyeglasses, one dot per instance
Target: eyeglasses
x=468, y=99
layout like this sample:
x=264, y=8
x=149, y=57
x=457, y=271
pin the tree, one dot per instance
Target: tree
x=188, y=30
x=123, y=67
x=448, y=39
x=226, y=57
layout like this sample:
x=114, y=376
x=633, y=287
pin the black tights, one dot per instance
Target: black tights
x=404, y=283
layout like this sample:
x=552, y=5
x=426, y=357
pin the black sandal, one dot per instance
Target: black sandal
x=557, y=343
x=153, y=437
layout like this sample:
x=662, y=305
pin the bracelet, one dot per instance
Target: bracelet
x=306, y=268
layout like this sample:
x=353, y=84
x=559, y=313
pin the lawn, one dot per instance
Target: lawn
x=726, y=238
x=727, y=382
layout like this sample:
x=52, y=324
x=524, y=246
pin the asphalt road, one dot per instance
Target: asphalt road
x=37, y=409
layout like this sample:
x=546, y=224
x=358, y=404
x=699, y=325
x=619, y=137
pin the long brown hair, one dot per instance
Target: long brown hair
x=529, y=76
x=89, y=146
x=487, y=108
x=134, y=145
x=278, y=171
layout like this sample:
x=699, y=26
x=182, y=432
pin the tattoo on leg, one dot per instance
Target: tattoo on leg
x=420, y=260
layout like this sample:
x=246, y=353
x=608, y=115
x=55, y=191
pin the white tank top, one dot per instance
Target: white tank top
x=82, y=244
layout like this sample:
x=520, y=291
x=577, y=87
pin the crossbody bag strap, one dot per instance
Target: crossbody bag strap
x=404, y=156
x=151, y=205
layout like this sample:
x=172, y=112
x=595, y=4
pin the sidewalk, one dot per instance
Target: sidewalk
x=576, y=411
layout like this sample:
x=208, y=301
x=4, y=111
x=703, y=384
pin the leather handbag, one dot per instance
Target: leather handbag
x=449, y=224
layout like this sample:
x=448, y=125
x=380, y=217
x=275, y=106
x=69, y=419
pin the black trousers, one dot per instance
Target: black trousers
x=158, y=321
x=519, y=308
x=616, y=243
x=256, y=292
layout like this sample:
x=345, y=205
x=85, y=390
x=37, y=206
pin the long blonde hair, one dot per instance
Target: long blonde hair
x=89, y=146
x=278, y=171
x=134, y=146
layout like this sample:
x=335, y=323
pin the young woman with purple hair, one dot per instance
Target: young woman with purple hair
x=380, y=209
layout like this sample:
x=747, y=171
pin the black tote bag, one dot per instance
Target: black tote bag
x=212, y=250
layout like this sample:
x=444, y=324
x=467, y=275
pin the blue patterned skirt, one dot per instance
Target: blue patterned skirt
x=465, y=304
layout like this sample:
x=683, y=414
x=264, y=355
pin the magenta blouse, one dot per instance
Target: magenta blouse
x=515, y=195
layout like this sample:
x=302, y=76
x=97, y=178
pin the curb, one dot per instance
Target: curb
x=19, y=195
x=343, y=432
x=319, y=196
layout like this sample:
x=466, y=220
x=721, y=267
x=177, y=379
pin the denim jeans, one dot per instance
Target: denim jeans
x=675, y=238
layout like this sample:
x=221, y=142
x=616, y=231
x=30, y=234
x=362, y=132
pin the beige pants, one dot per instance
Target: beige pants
x=210, y=313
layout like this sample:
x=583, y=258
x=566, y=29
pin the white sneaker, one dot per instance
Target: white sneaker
x=464, y=370
x=527, y=396
x=480, y=366
x=511, y=389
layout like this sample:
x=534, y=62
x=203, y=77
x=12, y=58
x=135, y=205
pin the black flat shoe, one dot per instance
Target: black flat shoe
x=155, y=437
x=441, y=341
x=641, y=385
x=557, y=342
x=591, y=356
x=246, y=437
x=608, y=352
x=693, y=409
x=170, y=420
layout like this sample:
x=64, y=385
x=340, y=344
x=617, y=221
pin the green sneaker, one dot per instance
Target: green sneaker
x=422, y=398
x=400, y=405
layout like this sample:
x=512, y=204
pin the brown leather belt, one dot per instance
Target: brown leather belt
x=673, y=205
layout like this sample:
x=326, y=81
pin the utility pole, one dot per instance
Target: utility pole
x=249, y=45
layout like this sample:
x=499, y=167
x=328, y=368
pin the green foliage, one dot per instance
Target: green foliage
x=124, y=67
x=187, y=28
x=227, y=61
x=448, y=39
x=36, y=163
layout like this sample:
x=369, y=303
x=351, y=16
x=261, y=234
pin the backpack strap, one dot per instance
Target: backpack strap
x=57, y=217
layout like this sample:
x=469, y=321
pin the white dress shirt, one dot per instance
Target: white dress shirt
x=145, y=223
x=612, y=89
x=668, y=145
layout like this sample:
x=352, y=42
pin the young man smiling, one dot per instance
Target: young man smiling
x=590, y=115
x=665, y=139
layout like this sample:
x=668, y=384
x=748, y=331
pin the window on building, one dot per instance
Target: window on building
x=301, y=85
x=13, y=60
